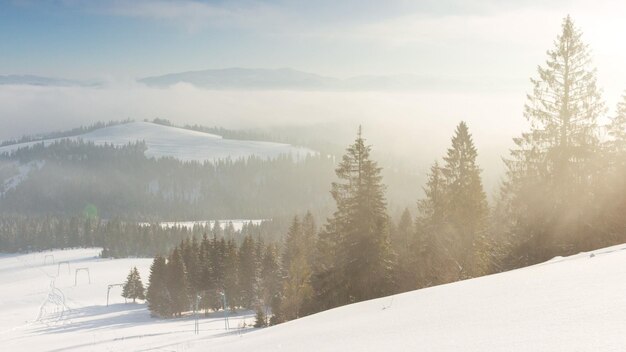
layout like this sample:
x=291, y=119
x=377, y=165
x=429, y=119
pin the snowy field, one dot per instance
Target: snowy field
x=576, y=303
x=30, y=310
x=183, y=144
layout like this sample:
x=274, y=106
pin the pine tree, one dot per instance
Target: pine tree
x=231, y=275
x=550, y=171
x=362, y=266
x=297, y=290
x=133, y=287
x=260, y=319
x=218, y=268
x=404, y=245
x=309, y=237
x=326, y=280
x=292, y=244
x=466, y=204
x=158, y=297
x=177, y=283
x=206, y=283
x=189, y=251
x=247, y=273
x=271, y=280
x=435, y=261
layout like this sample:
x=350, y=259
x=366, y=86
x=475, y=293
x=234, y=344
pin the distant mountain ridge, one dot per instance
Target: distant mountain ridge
x=290, y=79
x=33, y=80
x=236, y=78
x=285, y=78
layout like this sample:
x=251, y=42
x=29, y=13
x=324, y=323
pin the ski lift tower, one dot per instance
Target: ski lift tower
x=226, y=325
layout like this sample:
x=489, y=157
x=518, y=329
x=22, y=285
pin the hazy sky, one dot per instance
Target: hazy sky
x=115, y=38
x=491, y=42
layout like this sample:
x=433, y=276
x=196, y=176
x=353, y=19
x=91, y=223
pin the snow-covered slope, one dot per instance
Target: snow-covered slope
x=568, y=304
x=576, y=303
x=166, y=141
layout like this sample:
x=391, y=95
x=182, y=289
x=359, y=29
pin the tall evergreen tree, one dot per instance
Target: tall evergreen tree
x=218, y=267
x=297, y=290
x=231, y=275
x=466, y=204
x=158, y=297
x=551, y=169
x=189, y=251
x=435, y=260
x=177, y=283
x=362, y=266
x=271, y=281
x=404, y=245
x=206, y=283
x=309, y=237
x=247, y=273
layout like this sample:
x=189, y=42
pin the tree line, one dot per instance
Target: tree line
x=118, y=238
x=64, y=177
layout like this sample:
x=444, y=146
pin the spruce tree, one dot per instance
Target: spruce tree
x=362, y=265
x=206, y=276
x=247, y=273
x=435, y=262
x=466, y=204
x=177, y=283
x=158, y=297
x=551, y=169
x=231, y=275
x=189, y=251
x=218, y=268
x=297, y=290
x=133, y=287
x=326, y=279
x=403, y=244
x=309, y=237
x=271, y=279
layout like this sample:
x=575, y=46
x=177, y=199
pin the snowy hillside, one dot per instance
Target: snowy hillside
x=568, y=304
x=187, y=145
x=576, y=303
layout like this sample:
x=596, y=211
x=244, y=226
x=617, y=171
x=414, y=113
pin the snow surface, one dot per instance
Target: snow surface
x=183, y=144
x=575, y=303
x=88, y=324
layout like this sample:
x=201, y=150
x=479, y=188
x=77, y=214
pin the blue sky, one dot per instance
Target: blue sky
x=124, y=39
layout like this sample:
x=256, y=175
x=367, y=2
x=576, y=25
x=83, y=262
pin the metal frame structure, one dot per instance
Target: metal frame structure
x=109, y=291
x=76, y=275
x=69, y=271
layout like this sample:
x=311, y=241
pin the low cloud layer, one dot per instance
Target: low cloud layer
x=412, y=127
